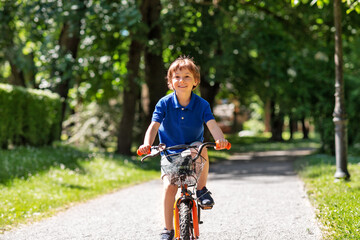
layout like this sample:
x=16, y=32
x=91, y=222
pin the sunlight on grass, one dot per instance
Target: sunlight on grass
x=338, y=204
x=38, y=182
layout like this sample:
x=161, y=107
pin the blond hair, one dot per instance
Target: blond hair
x=183, y=62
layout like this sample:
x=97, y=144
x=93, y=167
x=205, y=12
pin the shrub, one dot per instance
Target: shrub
x=28, y=116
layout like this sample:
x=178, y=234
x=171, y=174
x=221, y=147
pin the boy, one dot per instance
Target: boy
x=179, y=118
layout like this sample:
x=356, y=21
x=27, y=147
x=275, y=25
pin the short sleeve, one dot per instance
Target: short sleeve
x=207, y=113
x=159, y=112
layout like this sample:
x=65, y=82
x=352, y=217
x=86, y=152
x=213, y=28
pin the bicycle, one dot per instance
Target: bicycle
x=184, y=171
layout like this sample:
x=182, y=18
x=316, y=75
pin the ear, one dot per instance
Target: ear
x=171, y=85
x=196, y=83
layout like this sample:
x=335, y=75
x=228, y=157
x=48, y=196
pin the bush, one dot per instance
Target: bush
x=28, y=116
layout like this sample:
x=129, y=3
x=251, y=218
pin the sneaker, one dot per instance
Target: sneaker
x=167, y=234
x=204, y=197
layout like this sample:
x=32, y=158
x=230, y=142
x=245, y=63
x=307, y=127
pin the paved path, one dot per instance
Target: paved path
x=257, y=195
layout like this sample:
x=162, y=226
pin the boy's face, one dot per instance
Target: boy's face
x=183, y=80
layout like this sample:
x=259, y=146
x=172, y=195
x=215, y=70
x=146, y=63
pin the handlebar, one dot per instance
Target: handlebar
x=162, y=147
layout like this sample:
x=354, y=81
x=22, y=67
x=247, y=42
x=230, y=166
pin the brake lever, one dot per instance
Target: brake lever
x=154, y=151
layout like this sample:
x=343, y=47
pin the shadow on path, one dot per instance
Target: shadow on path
x=269, y=163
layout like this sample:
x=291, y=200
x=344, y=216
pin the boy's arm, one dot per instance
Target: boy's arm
x=149, y=137
x=151, y=133
x=217, y=134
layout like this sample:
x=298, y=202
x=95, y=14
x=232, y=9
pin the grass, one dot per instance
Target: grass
x=38, y=182
x=337, y=203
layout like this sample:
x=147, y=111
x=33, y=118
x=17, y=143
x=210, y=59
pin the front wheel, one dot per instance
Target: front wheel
x=185, y=217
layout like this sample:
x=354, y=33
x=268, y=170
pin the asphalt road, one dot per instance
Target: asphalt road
x=257, y=196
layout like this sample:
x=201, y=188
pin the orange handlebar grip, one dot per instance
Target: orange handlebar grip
x=139, y=153
x=228, y=146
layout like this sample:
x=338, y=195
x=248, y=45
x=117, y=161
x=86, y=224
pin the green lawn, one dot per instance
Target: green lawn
x=38, y=182
x=337, y=204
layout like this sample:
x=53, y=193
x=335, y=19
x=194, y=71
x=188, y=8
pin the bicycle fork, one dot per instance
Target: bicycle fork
x=194, y=213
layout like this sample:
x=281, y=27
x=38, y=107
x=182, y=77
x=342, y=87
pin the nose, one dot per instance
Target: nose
x=179, y=79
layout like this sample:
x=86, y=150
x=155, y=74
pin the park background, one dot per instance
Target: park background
x=79, y=80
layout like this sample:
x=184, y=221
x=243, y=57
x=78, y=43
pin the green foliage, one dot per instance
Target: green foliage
x=28, y=116
x=101, y=67
x=278, y=50
x=352, y=106
x=38, y=182
x=351, y=5
x=337, y=203
x=352, y=86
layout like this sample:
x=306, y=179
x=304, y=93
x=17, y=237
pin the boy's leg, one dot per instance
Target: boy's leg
x=202, y=193
x=205, y=171
x=169, y=194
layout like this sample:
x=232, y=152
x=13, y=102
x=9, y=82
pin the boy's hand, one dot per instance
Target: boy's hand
x=222, y=144
x=144, y=149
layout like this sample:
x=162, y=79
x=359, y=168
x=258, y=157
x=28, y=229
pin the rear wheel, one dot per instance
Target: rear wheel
x=185, y=218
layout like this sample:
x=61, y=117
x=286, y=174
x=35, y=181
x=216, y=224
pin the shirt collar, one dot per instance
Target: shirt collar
x=189, y=106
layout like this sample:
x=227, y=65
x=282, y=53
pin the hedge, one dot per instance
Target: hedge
x=28, y=116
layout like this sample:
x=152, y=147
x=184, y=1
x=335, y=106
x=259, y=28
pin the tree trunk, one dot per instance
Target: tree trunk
x=17, y=75
x=208, y=92
x=277, y=123
x=31, y=71
x=292, y=129
x=339, y=114
x=69, y=42
x=154, y=64
x=131, y=95
x=305, y=129
x=9, y=49
x=267, y=117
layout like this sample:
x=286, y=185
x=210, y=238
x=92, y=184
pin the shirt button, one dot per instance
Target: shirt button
x=182, y=117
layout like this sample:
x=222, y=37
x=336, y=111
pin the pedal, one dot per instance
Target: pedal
x=206, y=207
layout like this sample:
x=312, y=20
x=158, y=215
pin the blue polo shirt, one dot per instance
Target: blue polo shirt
x=179, y=124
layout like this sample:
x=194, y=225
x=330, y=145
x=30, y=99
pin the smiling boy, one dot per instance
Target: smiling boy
x=179, y=118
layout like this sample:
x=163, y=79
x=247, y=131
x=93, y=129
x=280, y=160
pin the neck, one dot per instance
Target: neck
x=184, y=99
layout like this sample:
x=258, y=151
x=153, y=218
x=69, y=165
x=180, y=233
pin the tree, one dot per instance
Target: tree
x=10, y=45
x=339, y=114
x=154, y=64
x=339, y=110
x=130, y=98
x=131, y=94
x=244, y=48
x=69, y=41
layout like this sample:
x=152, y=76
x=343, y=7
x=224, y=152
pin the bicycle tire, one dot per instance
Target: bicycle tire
x=184, y=219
